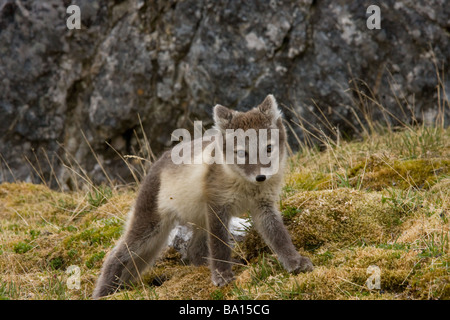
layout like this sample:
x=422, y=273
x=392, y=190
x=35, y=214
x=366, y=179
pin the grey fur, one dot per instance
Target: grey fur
x=198, y=251
x=205, y=196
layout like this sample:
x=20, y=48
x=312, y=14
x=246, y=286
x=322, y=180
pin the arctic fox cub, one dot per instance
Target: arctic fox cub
x=206, y=194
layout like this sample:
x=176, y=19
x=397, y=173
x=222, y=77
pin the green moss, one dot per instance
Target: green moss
x=290, y=212
x=34, y=234
x=72, y=253
x=310, y=181
x=97, y=236
x=70, y=228
x=325, y=257
x=416, y=173
x=56, y=263
x=95, y=260
x=431, y=280
x=339, y=216
x=22, y=247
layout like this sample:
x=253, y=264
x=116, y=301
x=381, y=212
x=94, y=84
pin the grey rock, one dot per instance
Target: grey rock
x=65, y=93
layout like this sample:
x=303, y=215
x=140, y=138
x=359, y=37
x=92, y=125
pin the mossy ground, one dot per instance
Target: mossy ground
x=383, y=201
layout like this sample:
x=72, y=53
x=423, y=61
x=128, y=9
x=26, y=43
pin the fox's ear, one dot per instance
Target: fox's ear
x=269, y=107
x=222, y=116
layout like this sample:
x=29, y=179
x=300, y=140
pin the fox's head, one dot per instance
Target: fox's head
x=254, y=141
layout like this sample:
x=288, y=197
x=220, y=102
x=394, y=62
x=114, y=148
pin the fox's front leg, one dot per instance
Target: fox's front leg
x=268, y=222
x=219, y=248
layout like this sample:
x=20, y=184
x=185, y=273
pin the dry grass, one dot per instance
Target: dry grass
x=44, y=231
x=347, y=208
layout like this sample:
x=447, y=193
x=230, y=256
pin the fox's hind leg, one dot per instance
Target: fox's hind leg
x=219, y=247
x=197, y=251
x=136, y=251
x=146, y=234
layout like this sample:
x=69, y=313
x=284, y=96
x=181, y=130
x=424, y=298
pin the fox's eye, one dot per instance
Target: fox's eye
x=241, y=153
x=269, y=148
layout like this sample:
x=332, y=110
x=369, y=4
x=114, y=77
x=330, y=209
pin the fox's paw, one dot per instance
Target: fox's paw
x=221, y=278
x=303, y=264
x=298, y=263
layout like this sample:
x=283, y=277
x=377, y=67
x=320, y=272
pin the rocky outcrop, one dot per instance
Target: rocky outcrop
x=81, y=97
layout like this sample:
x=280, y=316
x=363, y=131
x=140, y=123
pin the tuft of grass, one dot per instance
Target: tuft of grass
x=99, y=196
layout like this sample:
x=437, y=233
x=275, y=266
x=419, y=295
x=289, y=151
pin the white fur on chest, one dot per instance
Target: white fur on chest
x=182, y=192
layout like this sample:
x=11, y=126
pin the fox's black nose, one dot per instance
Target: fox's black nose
x=260, y=178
